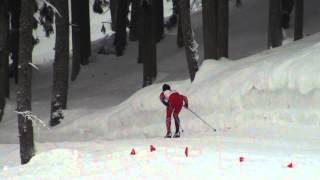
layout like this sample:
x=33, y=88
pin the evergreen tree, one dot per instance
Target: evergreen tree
x=26, y=43
x=61, y=63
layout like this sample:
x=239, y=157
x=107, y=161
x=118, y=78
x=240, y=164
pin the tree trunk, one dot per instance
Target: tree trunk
x=210, y=32
x=286, y=7
x=134, y=20
x=176, y=12
x=4, y=33
x=180, y=41
x=61, y=63
x=223, y=28
x=15, y=6
x=298, y=24
x=157, y=29
x=113, y=11
x=148, y=43
x=159, y=19
x=76, y=39
x=85, y=31
x=189, y=42
x=121, y=34
x=275, y=31
x=27, y=150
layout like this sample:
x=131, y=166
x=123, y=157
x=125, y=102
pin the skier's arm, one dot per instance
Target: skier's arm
x=185, y=99
x=162, y=99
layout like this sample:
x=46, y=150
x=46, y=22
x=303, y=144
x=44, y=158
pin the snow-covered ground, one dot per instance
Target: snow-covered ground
x=265, y=109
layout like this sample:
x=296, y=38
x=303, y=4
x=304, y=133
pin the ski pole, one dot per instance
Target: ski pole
x=201, y=119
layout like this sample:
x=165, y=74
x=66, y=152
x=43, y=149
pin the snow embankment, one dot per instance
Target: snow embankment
x=278, y=86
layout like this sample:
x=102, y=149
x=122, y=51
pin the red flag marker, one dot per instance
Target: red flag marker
x=152, y=148
x=290, y=165
x=133, y=152
x=186, y=151
x=241, y=158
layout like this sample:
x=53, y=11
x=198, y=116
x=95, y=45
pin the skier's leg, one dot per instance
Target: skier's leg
x=177, y=108
x=177, y=122
x=168, y=118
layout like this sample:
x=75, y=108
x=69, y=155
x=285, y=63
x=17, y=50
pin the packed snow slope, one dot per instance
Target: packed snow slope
x=280, y=86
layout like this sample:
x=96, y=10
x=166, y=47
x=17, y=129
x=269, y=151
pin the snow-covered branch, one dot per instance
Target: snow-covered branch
x=36, y=121
x=33, y=65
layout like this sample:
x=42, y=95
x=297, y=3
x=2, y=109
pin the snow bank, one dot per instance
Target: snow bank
x=276, y=86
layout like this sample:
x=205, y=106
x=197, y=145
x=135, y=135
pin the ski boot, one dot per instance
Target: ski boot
x=176, y=135
x=168, y=135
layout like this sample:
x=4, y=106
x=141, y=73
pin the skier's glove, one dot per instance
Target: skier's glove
x=165, y=103
x=186, y=106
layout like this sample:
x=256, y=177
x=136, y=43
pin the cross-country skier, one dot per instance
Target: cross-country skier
x=174, y=102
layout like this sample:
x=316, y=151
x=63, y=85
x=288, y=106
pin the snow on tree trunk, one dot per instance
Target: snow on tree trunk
x=275, y=31
x=76, y=42
x=4, y=33
x=191, y=47
x=27, y=150
x=298, y=23
x=61, y=63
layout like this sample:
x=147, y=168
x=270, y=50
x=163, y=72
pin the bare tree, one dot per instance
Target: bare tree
x=27, y=150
